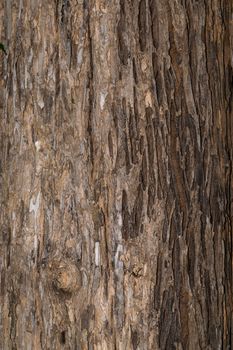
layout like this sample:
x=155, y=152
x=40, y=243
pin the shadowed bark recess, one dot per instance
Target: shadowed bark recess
x=116, y=175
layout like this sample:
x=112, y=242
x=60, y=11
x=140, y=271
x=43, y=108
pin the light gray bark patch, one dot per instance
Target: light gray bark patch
x=87, y=316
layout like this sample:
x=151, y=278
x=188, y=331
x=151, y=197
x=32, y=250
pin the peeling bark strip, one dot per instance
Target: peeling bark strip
x=116, y=175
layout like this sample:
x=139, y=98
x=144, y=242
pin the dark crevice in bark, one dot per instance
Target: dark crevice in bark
x=135, y=75
x=90, y=88
x=133, y=136
x=123, y=49
x=157, y=288
x=137, y=213
x=151, y=161
x=154, y=23
x=142, y=24
x=135, y=339
x=13, y=301
x=126, y=224
x=144, y=171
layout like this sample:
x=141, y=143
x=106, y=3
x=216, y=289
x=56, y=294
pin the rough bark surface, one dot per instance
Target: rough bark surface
x=116, y=174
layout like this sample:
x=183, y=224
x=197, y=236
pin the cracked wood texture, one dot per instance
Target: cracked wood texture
x=116, y=174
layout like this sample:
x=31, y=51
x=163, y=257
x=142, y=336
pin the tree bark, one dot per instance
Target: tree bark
x=116, y=174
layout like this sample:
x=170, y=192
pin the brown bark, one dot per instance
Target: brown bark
x=116, y=174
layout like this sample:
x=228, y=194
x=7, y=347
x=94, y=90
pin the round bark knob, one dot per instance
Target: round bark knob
x=66, y=277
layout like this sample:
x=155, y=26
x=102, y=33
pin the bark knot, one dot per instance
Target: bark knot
x=66, y=277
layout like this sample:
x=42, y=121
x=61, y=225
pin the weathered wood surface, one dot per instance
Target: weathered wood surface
x=116, y=174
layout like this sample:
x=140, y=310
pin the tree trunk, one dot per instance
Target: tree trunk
x=116, y=174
